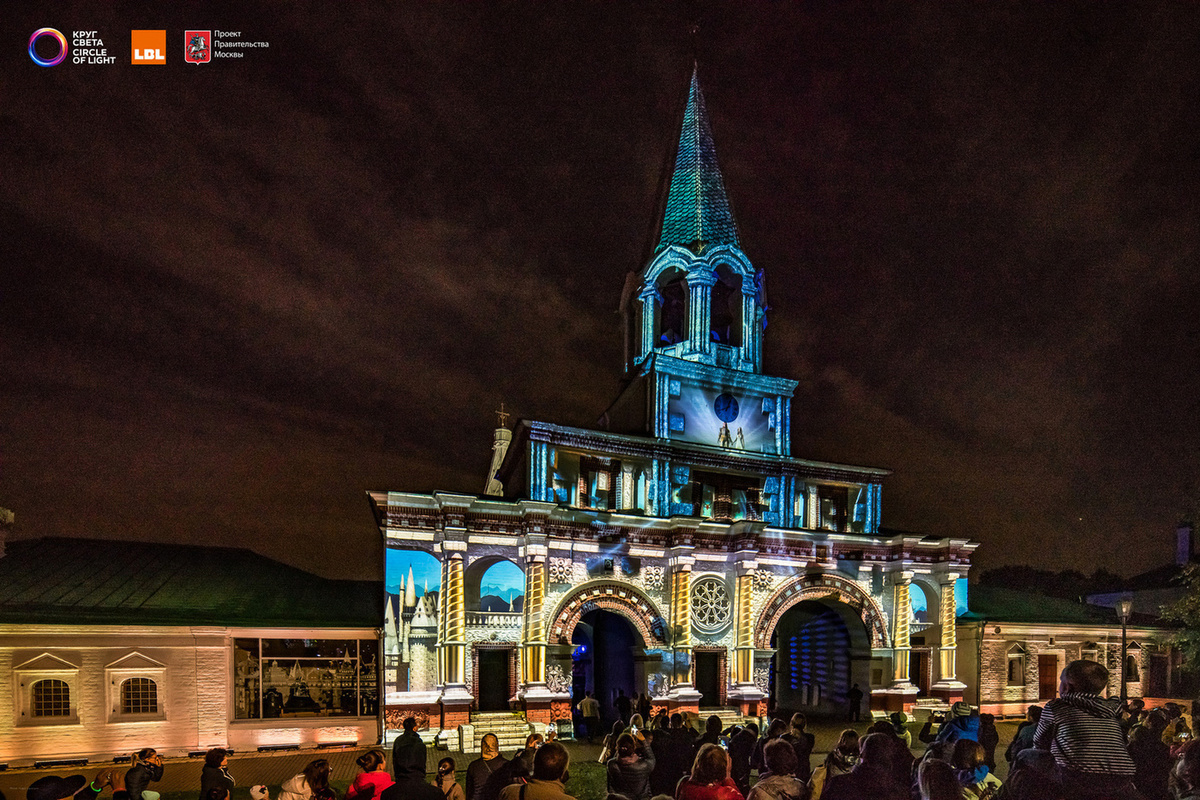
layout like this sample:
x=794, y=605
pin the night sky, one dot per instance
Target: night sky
x=236, y=296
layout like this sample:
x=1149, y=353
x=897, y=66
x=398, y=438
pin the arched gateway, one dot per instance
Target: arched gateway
x=682, y=529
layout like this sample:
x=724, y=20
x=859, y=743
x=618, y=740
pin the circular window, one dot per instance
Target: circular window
x=710, y=605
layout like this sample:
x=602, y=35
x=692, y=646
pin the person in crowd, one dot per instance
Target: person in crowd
x=989, y=737
x=1031, y=777
x=709, y=779
x=373, y=779
x=644, y=707
x=147, y=767
x=408, y=751
x=741, y=747
x=609, y=748
x=664, y=776
x=1081, y=729
x=936, y=781
x=75, y=787
x=776, y=729
x=802, y=742
x=589, y=712
x=1186, y=774
x=1023, y=738
x=516, y=770
x=779, y=782
x=490, y=760
x=310, y=783
x=636, y=729
x=445, y=782
x=410, y=772
x=1151, y=758
x=630, y=769
x=872, y=777
x=550, y=764
x=215, y=773
x=899, y=722
x=712, y=732
x=854, y=696
x=962, y=723
x=840, y=760
x=1131, y=712
x=969, y=761
x=623, y=705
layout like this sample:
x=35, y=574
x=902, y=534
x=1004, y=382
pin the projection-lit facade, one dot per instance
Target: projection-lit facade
x=681, y=529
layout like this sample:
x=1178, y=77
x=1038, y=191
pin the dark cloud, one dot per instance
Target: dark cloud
x=236, y=296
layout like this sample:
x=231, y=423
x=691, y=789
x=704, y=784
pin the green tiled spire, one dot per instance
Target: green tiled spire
x=697, y=213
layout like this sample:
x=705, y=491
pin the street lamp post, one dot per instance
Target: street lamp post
x=1124, y=607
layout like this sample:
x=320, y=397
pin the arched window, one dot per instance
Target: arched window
x=51, y=698
x=139, y=696
x=1131, y=669
x=726, y=313
x=1016, y=665
x=672, y=315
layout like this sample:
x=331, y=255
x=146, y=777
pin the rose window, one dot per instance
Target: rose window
x=710, y=605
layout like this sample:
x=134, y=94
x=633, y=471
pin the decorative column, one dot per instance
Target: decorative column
x=628, y=487
x=750, y=324
x=745, y=692
x=700, y=281
x=536, y=698
x=948, y=686
x=455, y=699
x=901, y=695
x=812, y=509
x=682, y=695
x=649, y=296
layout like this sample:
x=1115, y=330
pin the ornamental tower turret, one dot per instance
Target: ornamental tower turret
x=696, y=314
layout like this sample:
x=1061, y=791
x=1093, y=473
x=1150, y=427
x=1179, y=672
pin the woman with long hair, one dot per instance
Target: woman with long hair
x=312, y=782
x=609, y=750
x=445, y=781
x=373, y=779
x=629, y=771
x=147, y=766
x=779, y=782
x=710, y=777
x=969, y=762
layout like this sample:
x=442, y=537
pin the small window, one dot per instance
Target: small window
x=139, y=696
x=1016, y=665
x=1131, y=669
x=51, y=698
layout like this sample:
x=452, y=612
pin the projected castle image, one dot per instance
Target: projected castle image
x=678, y=548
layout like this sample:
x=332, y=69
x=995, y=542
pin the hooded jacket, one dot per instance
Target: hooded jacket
x=630, y=775
x=1084, y=734
x=778, y=787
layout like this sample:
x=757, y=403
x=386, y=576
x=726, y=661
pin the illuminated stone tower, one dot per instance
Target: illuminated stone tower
x=681, y=529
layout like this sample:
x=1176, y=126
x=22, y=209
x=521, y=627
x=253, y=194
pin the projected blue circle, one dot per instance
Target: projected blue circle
x=726, y=407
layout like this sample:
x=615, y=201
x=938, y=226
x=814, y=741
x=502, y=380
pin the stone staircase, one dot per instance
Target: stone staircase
x=510, y=728
x=729, y=716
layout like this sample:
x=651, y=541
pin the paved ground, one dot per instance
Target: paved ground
x=181, y=777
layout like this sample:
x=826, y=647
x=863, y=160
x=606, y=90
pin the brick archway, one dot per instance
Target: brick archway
x=621, y=598
x=818, y=587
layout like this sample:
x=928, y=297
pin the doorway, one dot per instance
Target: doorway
x=1047, y=677
x=919, y=672
x=708, y=677
x=494, y=678
x=821, y=650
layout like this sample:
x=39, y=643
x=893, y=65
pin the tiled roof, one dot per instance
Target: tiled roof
x=96, y=581
x=996, y=604
x=697, y=211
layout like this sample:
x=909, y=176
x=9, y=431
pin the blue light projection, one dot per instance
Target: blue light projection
x=425, y=568
x=504, y=580
x=960, y=597
x=723, y=419
x=920, y=607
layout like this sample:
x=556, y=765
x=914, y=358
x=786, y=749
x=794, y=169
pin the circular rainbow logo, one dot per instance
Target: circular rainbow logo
x=62, y=47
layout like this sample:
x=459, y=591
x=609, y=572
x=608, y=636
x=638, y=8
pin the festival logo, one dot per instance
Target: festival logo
x=47, y=33
x=149, y=47
x=197, y=47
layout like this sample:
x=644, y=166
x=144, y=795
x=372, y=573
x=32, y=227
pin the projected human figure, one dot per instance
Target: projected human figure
x=739, y=441
x=723, y=437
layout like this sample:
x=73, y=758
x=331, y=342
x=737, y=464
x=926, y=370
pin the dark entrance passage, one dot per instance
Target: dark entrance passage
x=494, y=678
x=1047, y=677
x=603, y=661
x=708, y=678
x=821, y=649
